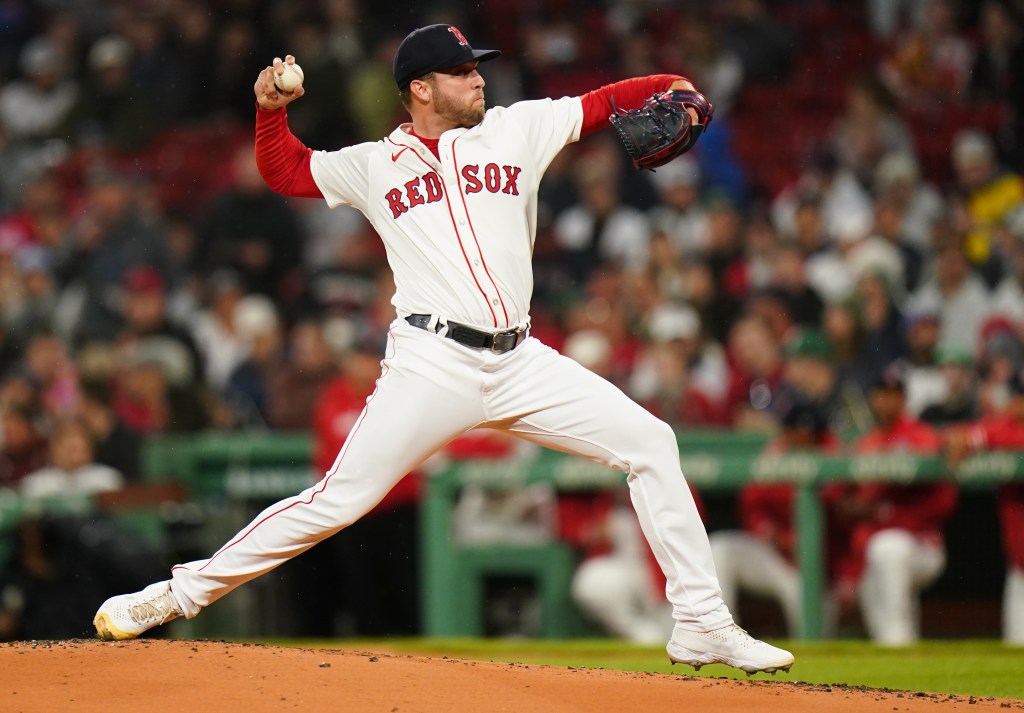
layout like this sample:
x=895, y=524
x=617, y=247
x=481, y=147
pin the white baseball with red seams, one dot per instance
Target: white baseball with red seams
x=459, y=234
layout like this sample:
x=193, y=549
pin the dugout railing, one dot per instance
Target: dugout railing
x=232, y=474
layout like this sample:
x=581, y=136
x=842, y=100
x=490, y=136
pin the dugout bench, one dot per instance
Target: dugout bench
x=445, y=572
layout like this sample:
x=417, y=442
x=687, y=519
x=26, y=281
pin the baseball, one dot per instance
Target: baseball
x=290, y=79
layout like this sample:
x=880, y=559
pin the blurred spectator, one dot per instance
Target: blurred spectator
x=865, y=251
x=253, y=231
x=868, y=128
x=34, y=308
x=603, y=306
x=1000, y=356
x=295, y=386
x=1008, y=295
x=337, y=238
x=679, y=376
x=764, y=46
x=896, y=541
x=193, y=37
x=213, y=330
x=72, y=470
x=591, y=348
x=760, y=558
x=9, y=352
x=66, y=553
x=887, y=18
x=23, y=447
x=374, y=105
x=711, y=65
x=999, y=57
x=921, y=372
x=990, y=191
x=772, y=306
x=145, y=318
x=842, y=327
x=155, y=390
x=239, y=51
x=680, y=214
x=898, y=183
x=344, y=25
x=323, y=120
x=154, y=67
x=1002, y=431
x=714, y=301
x=257, y=325
x=755, y=374
x=725, y=255
x=811, y=376
x=890, y=226
x=956, y=294
x=112, y=237
x=958, y=400
x=791, y=276
x=52, y=373
x=111, y=110
x=997, y=72
x=600, y=227
x=931, y=64
x=884, y=339
x=835, y=188
x=666, y=276
x=116, y=446
x=822, y=267
x=32, y=108
x=760, y=241
x=39, y=199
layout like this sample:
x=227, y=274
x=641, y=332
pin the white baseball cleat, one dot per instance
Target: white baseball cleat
x=128, y=615
x=730, y=645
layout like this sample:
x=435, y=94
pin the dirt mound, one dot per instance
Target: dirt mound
x=201, y=676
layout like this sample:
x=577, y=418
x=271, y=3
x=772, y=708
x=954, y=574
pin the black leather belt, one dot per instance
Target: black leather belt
x=498, y=343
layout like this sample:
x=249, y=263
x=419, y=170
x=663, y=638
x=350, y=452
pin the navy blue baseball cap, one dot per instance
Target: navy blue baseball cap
x=431, y=48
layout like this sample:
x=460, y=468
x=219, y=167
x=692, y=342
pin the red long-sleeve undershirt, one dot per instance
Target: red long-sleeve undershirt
x=284, y=161
x=628, y=94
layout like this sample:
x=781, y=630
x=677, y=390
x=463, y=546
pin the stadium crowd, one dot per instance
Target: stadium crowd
x=150, y=283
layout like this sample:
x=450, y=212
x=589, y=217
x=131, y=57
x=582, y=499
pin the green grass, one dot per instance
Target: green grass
x=963, y=667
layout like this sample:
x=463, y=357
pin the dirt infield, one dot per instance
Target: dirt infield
x=201, y=676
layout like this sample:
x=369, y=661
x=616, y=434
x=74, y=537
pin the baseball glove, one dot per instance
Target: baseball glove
x=662, y=128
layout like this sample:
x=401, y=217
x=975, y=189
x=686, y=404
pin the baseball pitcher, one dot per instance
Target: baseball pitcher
x=453, y=195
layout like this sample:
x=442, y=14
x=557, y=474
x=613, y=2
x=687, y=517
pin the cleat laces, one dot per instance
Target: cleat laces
x=157, y=609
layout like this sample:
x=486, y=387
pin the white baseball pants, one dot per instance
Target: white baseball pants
x=431, y=390
x=1013, y=607
x=898, y=566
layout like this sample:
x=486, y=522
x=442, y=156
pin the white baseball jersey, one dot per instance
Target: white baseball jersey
x=459, y=231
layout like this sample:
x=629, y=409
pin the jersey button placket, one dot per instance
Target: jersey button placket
x=465, y=235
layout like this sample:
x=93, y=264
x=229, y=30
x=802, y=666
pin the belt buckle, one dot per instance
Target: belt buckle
x=504, y=342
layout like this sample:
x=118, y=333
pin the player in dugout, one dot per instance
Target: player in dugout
x=453, y=195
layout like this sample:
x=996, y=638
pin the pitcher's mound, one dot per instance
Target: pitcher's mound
x=203, y=676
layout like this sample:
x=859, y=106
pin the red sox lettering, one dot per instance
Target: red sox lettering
x=429, y=189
